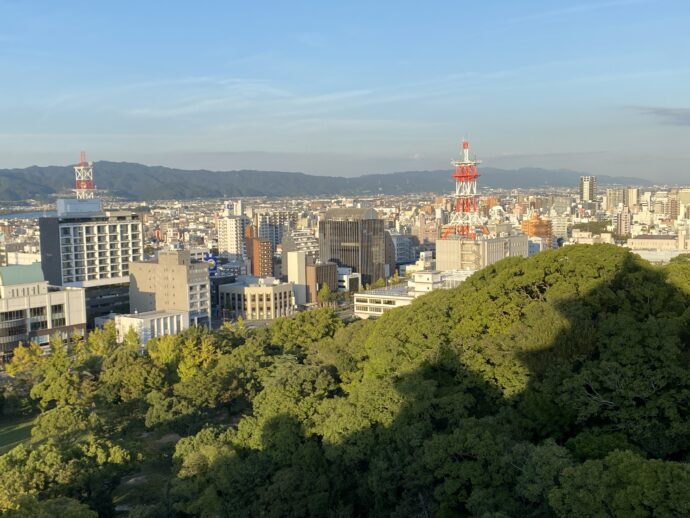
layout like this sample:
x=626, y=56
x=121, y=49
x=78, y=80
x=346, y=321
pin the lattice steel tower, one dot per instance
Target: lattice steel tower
x=83, y=172
x=465, y=221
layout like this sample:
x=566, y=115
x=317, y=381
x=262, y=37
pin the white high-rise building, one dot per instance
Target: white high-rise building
x=588, y=188
x=231, y=238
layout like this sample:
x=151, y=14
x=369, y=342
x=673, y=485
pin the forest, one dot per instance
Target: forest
x=557, y=385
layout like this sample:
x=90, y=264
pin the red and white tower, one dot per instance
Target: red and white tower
x=465, y=221
x=83, y=173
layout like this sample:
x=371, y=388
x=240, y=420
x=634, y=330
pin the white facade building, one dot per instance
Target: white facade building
x=373, y=303
x=231, y=239
x=151, y=324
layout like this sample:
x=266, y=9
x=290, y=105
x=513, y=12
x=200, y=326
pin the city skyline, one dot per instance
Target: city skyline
x=595, y=87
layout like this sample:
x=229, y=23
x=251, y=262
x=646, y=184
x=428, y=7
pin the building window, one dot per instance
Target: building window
x=12, y=315
x=38, y=312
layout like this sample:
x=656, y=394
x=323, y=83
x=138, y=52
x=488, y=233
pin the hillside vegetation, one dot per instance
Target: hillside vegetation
x=552, y=386
x=140, y=182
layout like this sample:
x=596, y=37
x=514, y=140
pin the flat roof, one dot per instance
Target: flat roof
x=155, y=313
x=653, y=236
x=397, y=290
x=21, y=274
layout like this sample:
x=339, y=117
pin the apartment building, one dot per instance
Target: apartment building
x=172, y=282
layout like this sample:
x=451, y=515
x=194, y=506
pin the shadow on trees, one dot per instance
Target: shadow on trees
x=481, y=401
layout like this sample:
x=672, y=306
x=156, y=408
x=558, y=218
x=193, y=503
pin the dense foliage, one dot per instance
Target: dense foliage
x=553, y=386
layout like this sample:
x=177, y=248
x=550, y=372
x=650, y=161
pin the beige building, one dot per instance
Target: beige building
x=258, y=299
x=659, y=242
x=173, y=282
x=580, y=237
x=469, y=254
x=32, y=311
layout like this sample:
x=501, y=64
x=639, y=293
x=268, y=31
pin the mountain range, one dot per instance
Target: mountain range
x=141, y=182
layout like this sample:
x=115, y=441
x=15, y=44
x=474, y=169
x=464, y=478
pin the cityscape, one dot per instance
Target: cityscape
x=311, y=273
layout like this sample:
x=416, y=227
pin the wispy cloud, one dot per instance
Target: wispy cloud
x=574, y=10
x=665, y=115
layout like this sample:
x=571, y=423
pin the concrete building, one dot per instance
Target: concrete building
x=632, y=197
x=297, y=274
x=151, y=324
x=403, y=248
x=660, y=242
x=32, y=311
x=231, y=235
x=258, y=299
x=301, y=241
x=426, y=261
x=614, y=198
x=173, y=282
x=535, y=226
x=538, y=244
x=588, y=188
x=260, y=254
x=274, y=225
x=22, y=258
x=622, y=220
x=475, y=254
x=580, y=237
x=355, y=238
x=348, y=280
x=317, y=276
x=373, y=303
x=87, y=248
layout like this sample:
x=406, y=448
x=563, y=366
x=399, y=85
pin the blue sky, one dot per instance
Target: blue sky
x=349, y=87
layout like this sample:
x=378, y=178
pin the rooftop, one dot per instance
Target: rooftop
x=21, y=274
x=153, y=314
x=655, y=236
x=351, y=214
x=397, y=290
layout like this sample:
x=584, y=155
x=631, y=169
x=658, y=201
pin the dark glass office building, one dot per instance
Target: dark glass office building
x=355, y=238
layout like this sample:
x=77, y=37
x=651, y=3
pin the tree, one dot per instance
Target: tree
x=30, y=507
x=324, y=295
x=623, y=484
x=59, y=381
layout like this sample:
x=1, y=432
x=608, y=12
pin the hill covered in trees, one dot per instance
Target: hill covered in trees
x=552, y=386
x=140, y=182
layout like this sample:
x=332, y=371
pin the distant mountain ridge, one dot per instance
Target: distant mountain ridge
x=140, y=182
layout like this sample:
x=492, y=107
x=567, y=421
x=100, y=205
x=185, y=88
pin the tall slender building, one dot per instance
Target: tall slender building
x=231, y=231
x=588, y=188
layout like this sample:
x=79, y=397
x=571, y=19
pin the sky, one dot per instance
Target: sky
x=349, y=88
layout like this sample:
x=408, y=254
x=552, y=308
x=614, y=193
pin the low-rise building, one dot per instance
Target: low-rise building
x=580, y=237
x=257, y=299
x=151, y=324
x=318, y=276
x=32, y=311
x=348, y=280
x=373, y=303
